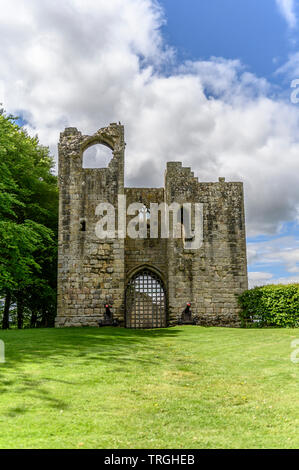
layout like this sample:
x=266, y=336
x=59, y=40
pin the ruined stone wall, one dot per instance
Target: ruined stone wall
x=212, y=276
x=94, y=271
x=90, y=270
x=149, y=251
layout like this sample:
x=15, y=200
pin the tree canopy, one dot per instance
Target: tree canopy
x=28, y=226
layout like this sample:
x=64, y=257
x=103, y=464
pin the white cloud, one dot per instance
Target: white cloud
x=279, y=252
x=264, y=278
x=287, y=9
x=289, y=257
x=286, y=280
x=259, y=278
x=291, y=68
x=84, y=63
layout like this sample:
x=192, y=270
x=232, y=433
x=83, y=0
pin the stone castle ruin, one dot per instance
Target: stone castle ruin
x=146, y=282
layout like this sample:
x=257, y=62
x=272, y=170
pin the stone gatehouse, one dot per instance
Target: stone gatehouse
x=146, y=282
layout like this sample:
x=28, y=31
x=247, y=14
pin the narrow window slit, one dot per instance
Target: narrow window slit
x=82, y=225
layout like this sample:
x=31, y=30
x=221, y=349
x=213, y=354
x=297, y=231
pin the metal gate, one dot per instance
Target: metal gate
x=145, y=301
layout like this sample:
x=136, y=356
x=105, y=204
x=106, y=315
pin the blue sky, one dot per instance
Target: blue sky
x=210, y=79
x=253, y=31
x=256, y=33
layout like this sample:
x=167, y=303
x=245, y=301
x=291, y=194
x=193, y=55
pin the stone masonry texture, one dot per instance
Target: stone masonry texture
x=94, y=271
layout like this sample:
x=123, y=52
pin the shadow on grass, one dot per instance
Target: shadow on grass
x=108, y=343
x=119, y=348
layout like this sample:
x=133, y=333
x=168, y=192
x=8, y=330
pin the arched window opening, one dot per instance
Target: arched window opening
x=186, y=225
x=97, y=156
x=144, y=214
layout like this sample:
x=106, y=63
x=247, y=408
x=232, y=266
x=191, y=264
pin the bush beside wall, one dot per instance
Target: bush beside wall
x=272, y=305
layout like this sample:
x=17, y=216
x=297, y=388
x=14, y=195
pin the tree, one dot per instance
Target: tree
x=28, y=222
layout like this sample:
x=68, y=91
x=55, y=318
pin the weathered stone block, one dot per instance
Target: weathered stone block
x=92, y=271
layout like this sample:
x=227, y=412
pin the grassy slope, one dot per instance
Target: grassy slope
x=183, y=387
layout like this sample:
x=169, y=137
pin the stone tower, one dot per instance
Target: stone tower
x=147, y=281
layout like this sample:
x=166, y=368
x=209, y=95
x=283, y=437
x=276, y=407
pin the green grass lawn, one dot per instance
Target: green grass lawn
x=183, y=387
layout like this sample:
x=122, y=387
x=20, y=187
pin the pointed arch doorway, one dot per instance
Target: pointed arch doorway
x=145, y=300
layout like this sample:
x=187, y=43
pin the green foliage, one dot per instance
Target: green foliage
x=28, y=221
x=272, y=305
x=18, y=242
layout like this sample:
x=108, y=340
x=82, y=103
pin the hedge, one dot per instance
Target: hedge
x=271, y=305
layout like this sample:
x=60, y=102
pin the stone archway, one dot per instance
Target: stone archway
x=145, y=300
